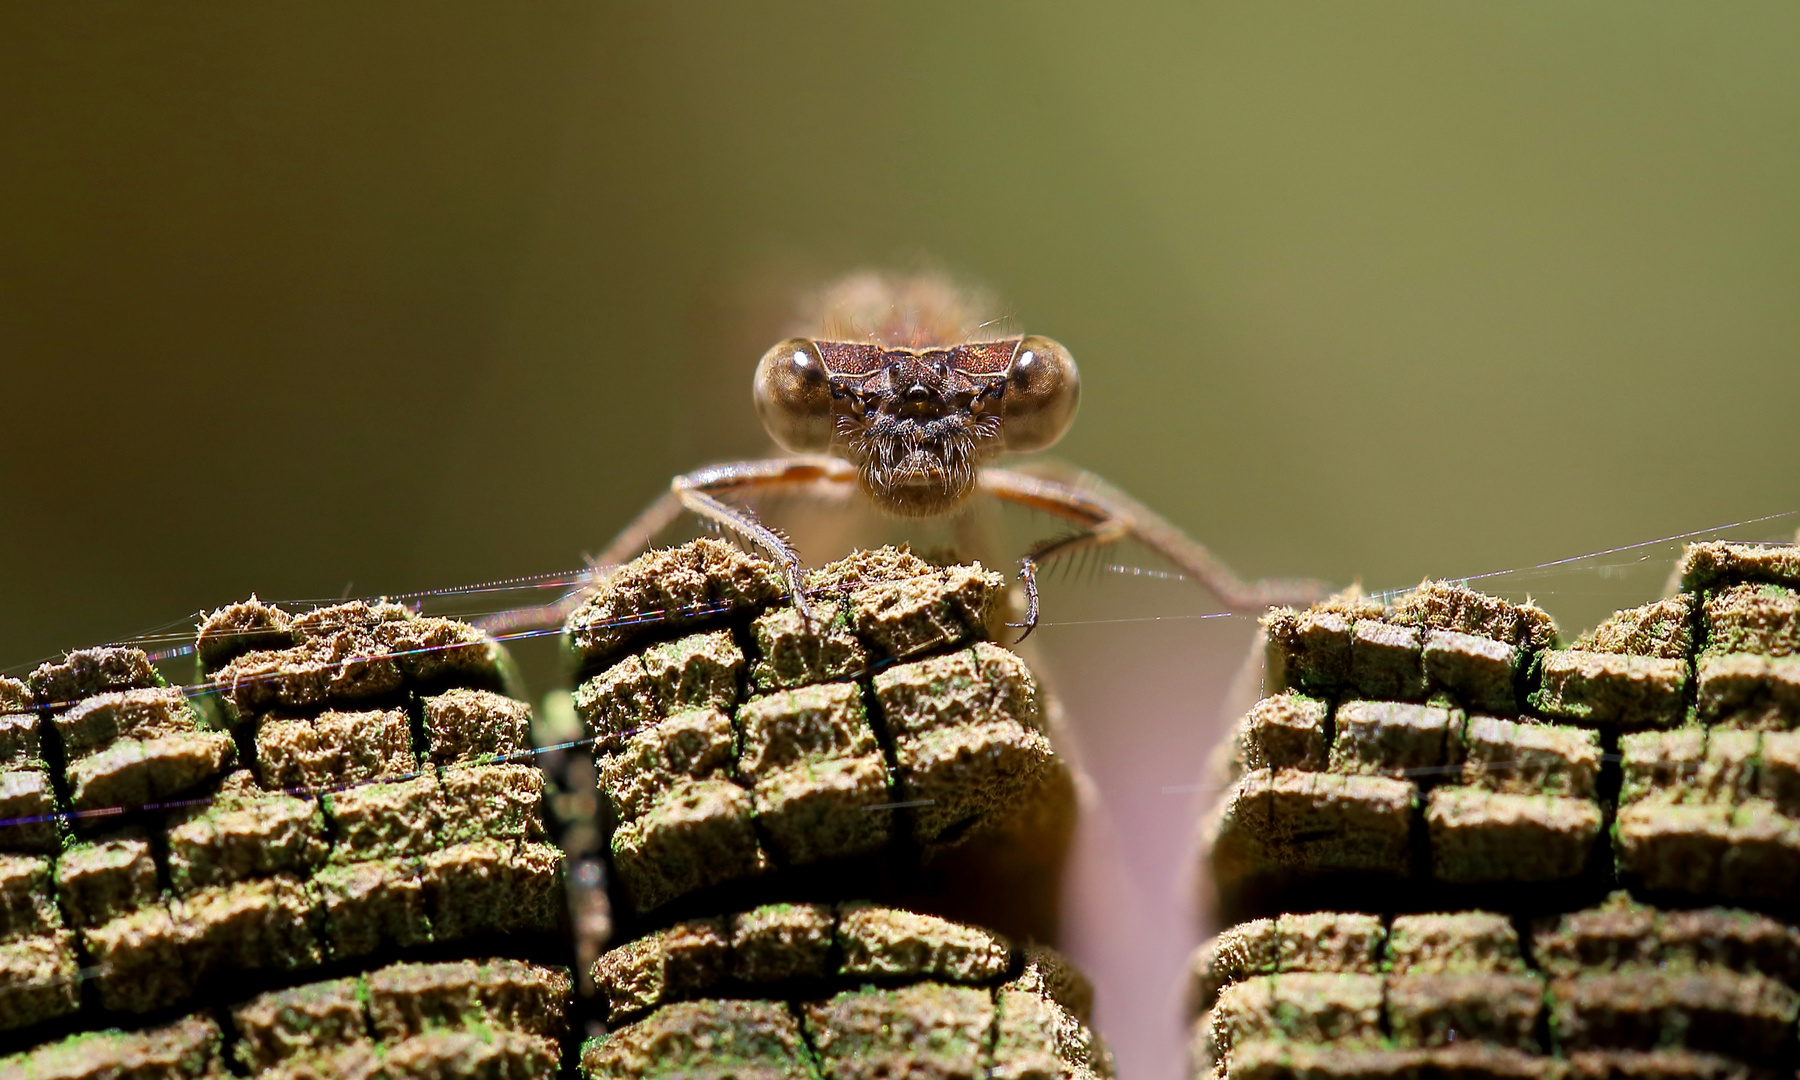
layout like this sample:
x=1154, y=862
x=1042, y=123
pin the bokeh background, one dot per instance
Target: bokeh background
x=348, y=299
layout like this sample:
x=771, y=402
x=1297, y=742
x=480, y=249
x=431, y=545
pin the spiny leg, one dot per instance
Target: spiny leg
x=634, y=538
x=697, y=492
x=1104, y=515
x=1108, y=532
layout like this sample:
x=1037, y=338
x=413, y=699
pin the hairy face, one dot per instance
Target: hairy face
x=916, y=430
x=916, y=423
x=899, y=383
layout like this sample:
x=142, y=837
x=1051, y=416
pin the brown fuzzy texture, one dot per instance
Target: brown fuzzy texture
x=1512, y=805
x=792, y=944
x=355, y=654
x=1440, y=637
x=334, y=747
x=1032, y=1025
x=874, y=990
x=1621, y=985
x=487, y=1018
x=28, y=794
x=99, y=881
x=1663, y=630
x=234, y=879
x=246, y=626
x=84, y=673
x=888, y=720
x=128, y=747
x=696, y=583
x=188, y=1049
x=1721, y=563
x=20, y=741
x=15, y=696
x=1504, y=758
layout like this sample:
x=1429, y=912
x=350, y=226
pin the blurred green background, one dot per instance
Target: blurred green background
x=307, y=299
x=341, y=299
x=360, y=299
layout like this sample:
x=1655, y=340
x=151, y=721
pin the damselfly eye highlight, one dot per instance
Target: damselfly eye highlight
x=1042, y=388
x=793, y=396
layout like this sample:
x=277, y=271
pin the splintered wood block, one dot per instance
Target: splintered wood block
x=739, y=743
x=1723, y=563
x=84, y=673
x=182, y=879
x=354, y=655
x=1509, y=748
x=1314, y=823
x=1490, y=836
x=1612, y=690
x=1285, y=731
x=1749, y=691
x=1664, y=629
x=494, y=1017
x=1530, y=758
x=1622, y=986
x=1439, y=638
x=1390, y=738
x=873, y=990
x=188, y=1049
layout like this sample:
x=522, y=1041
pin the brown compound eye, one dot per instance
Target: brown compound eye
x=793, y=396
x=1042, y=388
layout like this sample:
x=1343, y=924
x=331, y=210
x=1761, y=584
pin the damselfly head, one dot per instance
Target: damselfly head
x=917, y=422
x=916, y=382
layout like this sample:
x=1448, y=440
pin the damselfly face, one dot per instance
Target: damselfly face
x=917, y=422
x=903, y=389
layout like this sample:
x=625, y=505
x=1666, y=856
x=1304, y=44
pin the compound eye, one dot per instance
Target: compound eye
x=793, y=396
x=1042, y=388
